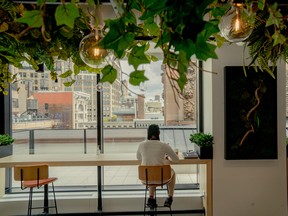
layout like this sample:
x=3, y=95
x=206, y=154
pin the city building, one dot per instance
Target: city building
x=179, y=107
x=69, y=108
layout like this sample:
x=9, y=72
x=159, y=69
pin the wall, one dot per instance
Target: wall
x=243, y=187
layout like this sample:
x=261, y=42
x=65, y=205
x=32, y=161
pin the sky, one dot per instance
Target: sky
x=151, y=87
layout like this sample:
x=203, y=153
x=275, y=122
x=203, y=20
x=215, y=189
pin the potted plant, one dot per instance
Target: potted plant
x=202, y=144
x=5, y=145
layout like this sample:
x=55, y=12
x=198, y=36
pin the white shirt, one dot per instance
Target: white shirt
x=153, y=152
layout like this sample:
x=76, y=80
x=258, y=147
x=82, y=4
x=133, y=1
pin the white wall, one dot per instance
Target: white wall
x=243, y=187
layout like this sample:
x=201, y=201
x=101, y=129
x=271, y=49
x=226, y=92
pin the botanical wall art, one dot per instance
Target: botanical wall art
x=250, y=114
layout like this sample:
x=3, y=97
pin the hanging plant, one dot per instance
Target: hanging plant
x=267, y=43
x=42, y=32
x=176, y=27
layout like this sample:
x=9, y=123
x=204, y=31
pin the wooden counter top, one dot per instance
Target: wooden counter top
x=82, y=160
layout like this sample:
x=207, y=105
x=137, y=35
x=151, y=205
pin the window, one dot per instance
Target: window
x=127, y=116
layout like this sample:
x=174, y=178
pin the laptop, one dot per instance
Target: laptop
x=190, y=154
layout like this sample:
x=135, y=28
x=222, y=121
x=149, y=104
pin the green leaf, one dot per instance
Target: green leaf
x=66, y=74
x=147, y=14
x=278, y=19
x=220, y=11
x=130, y=18
x=155, y=5
x=93, y=70
x=205, y=50
x=275, y=16
x=189, y=47
x=125, y=41
x=151, y=26
x=32, y=18
x=152, y=8
x=219, y=40
x=136, y=77
x=261, y=4
x=90, y=2
x=4, y=27
x=67, y=84
x=278, y=38
x=76, y=70
x=137, y=56
x=210, y=28
x=109, y=74
x=116, y=39
x=135, y=5
x=270, y=20
x=183, y=64
x=181, y=81
x=164, y=38
x=66, y=15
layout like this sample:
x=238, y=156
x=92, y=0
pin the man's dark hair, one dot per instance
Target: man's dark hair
x=153, y=130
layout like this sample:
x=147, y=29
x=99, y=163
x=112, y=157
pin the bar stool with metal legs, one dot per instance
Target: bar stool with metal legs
x=35, y=176
x=154, y=176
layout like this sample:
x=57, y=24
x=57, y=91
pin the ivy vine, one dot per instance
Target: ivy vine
x=43, y=32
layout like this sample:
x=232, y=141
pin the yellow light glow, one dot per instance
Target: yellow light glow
x=96, y=52
x=237, y=25
x=91, y=52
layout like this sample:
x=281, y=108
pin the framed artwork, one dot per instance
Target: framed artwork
x=250, y=114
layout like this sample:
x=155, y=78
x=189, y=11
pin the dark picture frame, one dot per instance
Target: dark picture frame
x=250, y=114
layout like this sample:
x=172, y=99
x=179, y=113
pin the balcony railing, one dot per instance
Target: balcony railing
x=116, y=140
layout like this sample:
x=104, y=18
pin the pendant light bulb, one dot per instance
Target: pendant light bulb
x=91, y=52
x=236, y=25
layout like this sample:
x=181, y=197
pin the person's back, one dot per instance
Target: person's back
x=155, y=152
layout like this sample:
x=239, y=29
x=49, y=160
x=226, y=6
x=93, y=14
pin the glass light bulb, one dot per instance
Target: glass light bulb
x=90, y=52
x=236, y=25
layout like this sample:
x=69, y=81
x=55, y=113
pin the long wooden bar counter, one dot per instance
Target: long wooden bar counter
x=127, y=159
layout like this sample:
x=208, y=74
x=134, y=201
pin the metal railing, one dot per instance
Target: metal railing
x=177, y=137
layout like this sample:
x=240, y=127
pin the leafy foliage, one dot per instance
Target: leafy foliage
x=6, y=139
x=176, y=27
x=267, y=43
x=202, y=139
x=41, y=33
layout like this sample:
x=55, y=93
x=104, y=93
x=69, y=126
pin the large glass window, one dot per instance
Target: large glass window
x=63, y=120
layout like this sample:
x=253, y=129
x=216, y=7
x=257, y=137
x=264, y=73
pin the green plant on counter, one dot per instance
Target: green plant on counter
x=6, y=139
x=202, y=139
